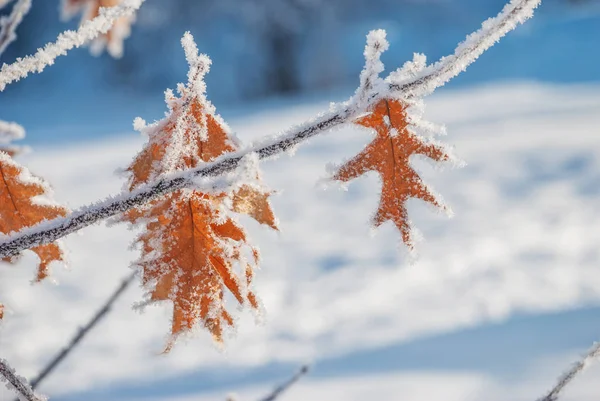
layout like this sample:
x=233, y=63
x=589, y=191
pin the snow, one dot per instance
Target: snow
x=523, y=242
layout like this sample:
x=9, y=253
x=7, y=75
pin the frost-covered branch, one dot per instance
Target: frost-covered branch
x=408, y=85
x=514, y=13
x=83, y=331
x=9, y=24
x=66, y=41
x=17, y=384
x=572, y=373
x=369, y=77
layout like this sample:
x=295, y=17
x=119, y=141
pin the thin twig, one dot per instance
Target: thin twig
x=572, y=373
x=47, y=232
x=17, y=384
x=8, y=25
x=514, y=13
x=272, y=396
x=83, y=331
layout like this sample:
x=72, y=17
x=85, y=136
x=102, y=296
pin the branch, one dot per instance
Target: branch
x=437, y=75
x=8, y=25
x=514, y=13
x=17, y=384
x=83, y=331
x=66, y=41
x=572, y=373
x=285, y=386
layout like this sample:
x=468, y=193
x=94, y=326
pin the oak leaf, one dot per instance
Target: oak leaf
x=24, y=203
x=191, y=244
x=389, y=155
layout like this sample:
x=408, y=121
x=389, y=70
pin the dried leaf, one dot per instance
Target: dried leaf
x=389, y=155
x=190, y=246
x=254, y=203
x=193, y=264
x=22, y=204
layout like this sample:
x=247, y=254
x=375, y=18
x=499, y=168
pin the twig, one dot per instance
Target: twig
x=43, y=233
x=572, y=373
x=17, y=384
x=83, y=331
x=8, y=25
x=66, y=41
x=285, y=386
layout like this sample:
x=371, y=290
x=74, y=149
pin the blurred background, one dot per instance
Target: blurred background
x=502, y=297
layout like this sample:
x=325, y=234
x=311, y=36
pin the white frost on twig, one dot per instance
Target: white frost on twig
x=112, y=41
x=66, y=41
x=17, y=383
x=492, y=30
x=9, y=24
x=370, y=82
x=577, y=368
x=247, y=174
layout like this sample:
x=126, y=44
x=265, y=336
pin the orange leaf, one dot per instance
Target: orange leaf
x=190, y=246
x=195, y=261
x=254, y=203
x=22, y=205
x=389, y=155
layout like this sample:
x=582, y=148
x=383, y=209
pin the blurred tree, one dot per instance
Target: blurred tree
x=278, y=29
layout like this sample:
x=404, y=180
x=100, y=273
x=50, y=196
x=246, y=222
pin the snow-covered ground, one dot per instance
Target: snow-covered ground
x=501, y=297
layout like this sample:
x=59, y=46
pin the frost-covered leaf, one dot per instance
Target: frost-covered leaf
x=389, y=155
x=254, y=203
x=23, y=203
x=193, y=249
